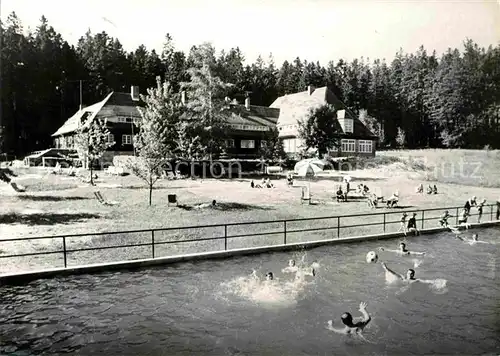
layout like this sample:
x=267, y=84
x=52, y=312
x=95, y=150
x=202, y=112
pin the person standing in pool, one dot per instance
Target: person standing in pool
x=403, y=251
x=412, y=224
x=352, y=327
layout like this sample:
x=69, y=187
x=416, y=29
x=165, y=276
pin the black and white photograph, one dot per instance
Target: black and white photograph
x=248, y=177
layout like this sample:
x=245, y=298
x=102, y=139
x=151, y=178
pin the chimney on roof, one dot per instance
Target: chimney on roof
x=183, y=97
x=310, y=89
x=247, y=103
x=134, y=93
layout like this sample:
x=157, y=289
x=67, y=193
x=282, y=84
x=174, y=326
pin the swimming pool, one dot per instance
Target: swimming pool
x=215, y=308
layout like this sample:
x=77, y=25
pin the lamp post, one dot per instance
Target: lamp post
x=80, y=81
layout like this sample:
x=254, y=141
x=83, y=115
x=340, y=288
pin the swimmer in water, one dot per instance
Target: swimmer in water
x=403, y=251
x=352, y=327
x=409, y=277
x=474, y=240
x=292, y=268
x=269, y=276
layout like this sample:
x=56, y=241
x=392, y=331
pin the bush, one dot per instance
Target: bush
x=122, y=161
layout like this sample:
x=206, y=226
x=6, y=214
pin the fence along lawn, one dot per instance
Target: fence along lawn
x=74, y=250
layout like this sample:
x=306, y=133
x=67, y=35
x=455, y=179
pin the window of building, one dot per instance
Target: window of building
x=247, y=143
x=230, y=143
x=128, y=119
x=348, y=145
x=263, y=143
x=126, y=139
x=365, y=146
x=348, y=126
x=111, y=138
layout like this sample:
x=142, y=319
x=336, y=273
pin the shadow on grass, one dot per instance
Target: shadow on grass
x=399, y=207
x=154, y=187
x=226, y=207
x=48, y=198
x=45, y=218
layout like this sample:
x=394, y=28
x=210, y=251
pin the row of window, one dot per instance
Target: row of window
x=346, y=124
x=250, y=127
x=127, y=140
x=288, y=127
x=364, y=146
x=135, y=120
x=245, y=143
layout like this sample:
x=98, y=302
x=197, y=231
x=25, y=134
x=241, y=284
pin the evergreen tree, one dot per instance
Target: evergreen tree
x=206, y=105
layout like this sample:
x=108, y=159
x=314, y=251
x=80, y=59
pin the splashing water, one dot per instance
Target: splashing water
x=274, y=292
x=417, y=263
x=439, y=286
x=390, y=278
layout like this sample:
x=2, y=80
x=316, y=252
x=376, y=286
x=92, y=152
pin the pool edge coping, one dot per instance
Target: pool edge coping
x=26, y=276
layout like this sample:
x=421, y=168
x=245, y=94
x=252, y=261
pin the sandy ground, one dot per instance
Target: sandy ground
x=59, y=205
x=75, y=210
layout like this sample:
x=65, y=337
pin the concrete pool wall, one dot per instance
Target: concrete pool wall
x=14, y=278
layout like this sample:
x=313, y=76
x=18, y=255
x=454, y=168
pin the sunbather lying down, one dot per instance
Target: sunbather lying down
x=393, y=200
x=205, y=205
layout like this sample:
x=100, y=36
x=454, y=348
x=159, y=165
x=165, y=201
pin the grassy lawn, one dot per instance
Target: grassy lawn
x=463, y=167
x=58, y=205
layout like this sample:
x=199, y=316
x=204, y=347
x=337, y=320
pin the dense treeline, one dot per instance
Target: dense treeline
x=420, y=100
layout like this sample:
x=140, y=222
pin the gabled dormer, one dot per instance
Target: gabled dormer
x=345, y=122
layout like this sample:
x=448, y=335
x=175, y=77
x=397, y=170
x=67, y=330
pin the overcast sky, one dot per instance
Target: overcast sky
x=311, y=29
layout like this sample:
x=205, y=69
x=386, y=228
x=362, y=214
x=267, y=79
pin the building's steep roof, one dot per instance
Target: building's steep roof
x=115, y=104
x=255, y=115
x=120, y=104
x=360, y=130
x=295, y=107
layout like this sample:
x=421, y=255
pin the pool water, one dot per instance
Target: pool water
x=219, y=308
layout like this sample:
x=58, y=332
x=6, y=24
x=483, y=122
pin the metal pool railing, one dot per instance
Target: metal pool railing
x=104, y=247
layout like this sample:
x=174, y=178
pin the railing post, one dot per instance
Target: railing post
x=423, y=218
x=384, y=223
x=338, y=227
x=491, y=214
x=456, y=223
x=153, y=243
x=284, y=232
x=64, y=251
x=225, y=237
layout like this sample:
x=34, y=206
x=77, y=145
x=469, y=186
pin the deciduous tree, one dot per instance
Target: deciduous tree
x=91, y=141
x=155, y=142
x=320, y=130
